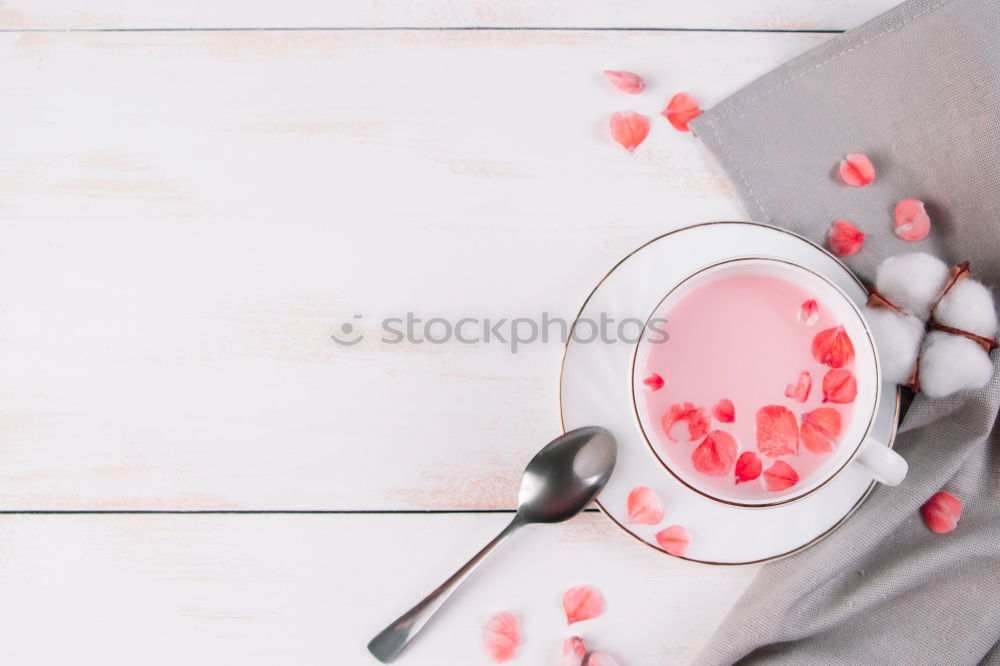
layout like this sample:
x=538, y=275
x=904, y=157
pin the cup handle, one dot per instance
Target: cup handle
x=886, y=465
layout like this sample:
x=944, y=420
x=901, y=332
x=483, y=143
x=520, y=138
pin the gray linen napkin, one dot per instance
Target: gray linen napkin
x=918, y=90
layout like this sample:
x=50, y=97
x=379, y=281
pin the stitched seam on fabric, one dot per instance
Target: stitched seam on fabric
x=846, y=51
x=739, y=170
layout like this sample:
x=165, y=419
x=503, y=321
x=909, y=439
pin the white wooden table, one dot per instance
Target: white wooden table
x=193, y=196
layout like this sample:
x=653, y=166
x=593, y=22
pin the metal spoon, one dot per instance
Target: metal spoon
x=558, y=483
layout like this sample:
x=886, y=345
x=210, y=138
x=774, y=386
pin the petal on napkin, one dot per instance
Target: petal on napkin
x=857, y=170
x=942, y=512
x=844, y=238
x=912, y=221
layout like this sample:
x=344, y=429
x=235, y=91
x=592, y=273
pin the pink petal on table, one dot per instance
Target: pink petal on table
x=857, y=170
x=674, y=539
x=601, y=658
x=912, y=221
x=501, y=637
x=574, y=650
x=583, y=602
x=644, y=507
x=844, y=238
x=625, y=81
x=942, y=512
x=681, y=110
x=629, y=129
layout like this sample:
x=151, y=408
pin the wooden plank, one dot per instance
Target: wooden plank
x=187, y=217
x=719, y=14
x=206, y=589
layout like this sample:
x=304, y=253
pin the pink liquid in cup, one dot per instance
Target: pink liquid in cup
x=746, y=336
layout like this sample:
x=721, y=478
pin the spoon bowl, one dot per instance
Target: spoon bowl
x=566, y=475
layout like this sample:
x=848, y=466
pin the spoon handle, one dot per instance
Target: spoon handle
x=393, y=639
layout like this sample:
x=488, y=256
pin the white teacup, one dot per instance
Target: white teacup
x=856, y=445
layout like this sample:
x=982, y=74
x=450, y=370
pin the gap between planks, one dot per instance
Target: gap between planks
x=805, y=31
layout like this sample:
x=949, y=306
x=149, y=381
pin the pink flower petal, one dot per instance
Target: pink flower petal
x=681, y=110
x=839, y=386
x=654, y=382
x=724, y=411
x=625, y=81
x=780, y=476
x=820, y=429
x=574, y=650
x=857, y=170
x=716, y=455
x=696, y=417
x=777, y=431
x=809, y=312
x=674, y=539
x=601, y=658
x=629, y=129
x=501, y=637
x=799, y=391
x=844, y=238
x=644, y=507
x=912, y=221
x=942, y=512
x=748, y=467
x=583, y=602
x=833, y=347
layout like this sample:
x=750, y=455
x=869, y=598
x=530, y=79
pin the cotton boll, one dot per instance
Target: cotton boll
x=968, y=306
x=950, y=363
x=912, y=281
x=897, y=338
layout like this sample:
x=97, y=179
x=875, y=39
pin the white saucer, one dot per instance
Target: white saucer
x=595, y=389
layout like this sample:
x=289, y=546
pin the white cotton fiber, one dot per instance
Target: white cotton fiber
x=912, y=281
x=897, y=338
x=950, y=363
x=968, y=306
